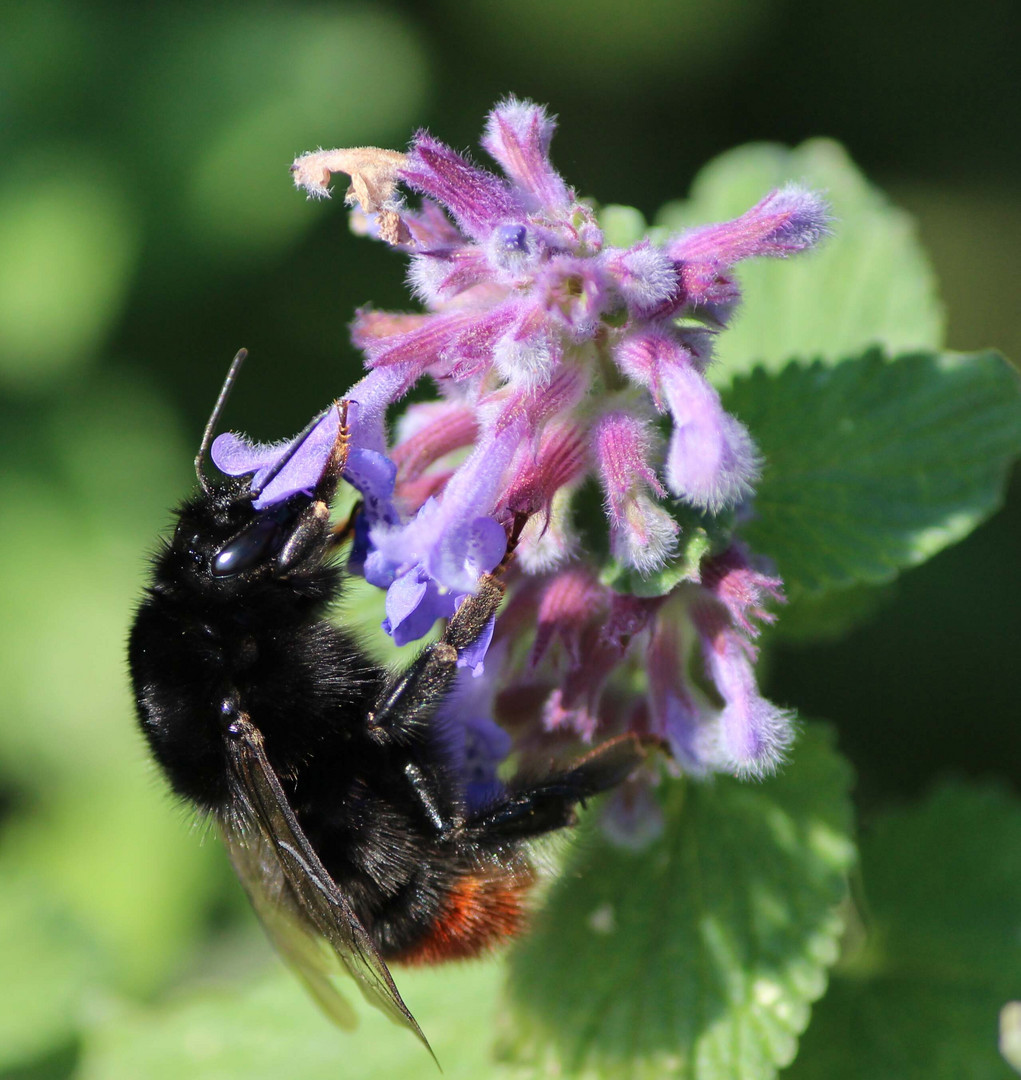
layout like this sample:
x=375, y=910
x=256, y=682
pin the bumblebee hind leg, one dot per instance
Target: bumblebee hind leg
x=549, y=804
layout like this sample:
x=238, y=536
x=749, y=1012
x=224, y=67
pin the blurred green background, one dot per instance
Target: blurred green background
x=148, y=228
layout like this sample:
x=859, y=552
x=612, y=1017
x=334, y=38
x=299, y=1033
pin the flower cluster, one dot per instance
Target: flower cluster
x=563, y=365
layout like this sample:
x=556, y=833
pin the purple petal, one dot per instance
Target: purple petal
x=422, y=346
x=234, y=455
x=742, y=588
x=464, y=554
x=373, y=474
x=302, y=472
x=472, y=742
x=478, y=200
x=646, y=538
x=754, y=732
x=436, y=276
x=473, y=657
x=645, y=276
x=680, y=712
x=368, y=400
x=473, y=490
x=787, y=221
x=622, y=447
x=413, y=604
x=518, y=135
x=712, y=460
x=641, y=357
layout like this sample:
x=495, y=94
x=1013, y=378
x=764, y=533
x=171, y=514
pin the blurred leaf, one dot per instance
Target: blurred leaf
x=943, y=889
x=873, y=466
x=79, y=533
x=67, y=253
x=1010, y=1034
x=103, y=834
x=47, y=963
x=700, y=955
x=46, y=51
x=118, y=853
x=124, y=462
x=622, y=225
x=273, y=1030
x=253, y=87
x=870, y=283
x=656, y=39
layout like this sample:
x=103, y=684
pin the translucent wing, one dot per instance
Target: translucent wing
x=309, y=920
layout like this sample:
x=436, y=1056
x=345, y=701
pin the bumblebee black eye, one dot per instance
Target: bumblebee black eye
x=258, y=542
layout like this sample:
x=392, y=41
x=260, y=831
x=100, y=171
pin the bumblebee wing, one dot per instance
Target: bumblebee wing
x=286, y=924
x=304, y=912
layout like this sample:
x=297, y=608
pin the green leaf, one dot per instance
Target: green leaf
x=47, y=962
x=921, y=1000
x=272, y=1030
x=870, y=283
x=129, y=864
x=699, y=956
x=872, y=467
x=622, y=225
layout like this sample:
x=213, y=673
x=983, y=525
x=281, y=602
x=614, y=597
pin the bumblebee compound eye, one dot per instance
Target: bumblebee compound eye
x=260, y=541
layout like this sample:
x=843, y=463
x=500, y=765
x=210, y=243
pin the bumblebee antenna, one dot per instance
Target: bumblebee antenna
x=214, y=418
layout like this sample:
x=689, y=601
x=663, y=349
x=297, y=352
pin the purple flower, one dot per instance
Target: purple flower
x=429, y=564
x=712, y=461
x=753, y=732
x=552, y=354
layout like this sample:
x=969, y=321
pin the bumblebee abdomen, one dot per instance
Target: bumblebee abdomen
x=479, y=912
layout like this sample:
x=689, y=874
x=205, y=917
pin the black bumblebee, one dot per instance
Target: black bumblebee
x=336, y=799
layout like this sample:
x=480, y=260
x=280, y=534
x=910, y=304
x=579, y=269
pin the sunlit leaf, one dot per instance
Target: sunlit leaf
x=874, y=466
x=698, y=957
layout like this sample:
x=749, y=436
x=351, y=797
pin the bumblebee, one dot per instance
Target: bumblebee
x=327, y=775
